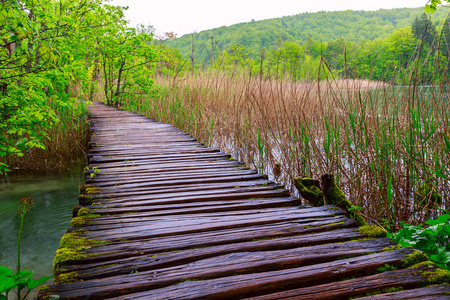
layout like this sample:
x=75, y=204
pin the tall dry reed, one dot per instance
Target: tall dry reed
x=386, y=144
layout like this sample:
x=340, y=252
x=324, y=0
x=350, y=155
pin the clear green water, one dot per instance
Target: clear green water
x=54, y=196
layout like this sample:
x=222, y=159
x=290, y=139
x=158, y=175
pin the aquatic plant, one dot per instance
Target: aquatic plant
x=21, y=279
x=433, y=240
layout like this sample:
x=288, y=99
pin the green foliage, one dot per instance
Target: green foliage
x=48, y=46
x=432, y=6
x=424, y=29
x=22, y=278
x=434, y=240
x=351, y=26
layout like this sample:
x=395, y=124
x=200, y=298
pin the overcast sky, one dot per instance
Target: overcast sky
x=187, y=16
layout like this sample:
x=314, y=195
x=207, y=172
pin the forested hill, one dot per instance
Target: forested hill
x=349, y=25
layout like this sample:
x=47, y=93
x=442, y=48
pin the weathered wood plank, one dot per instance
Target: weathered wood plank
x=172, y=227
x=124, y=248
x=211, y=261
x=167, y=259
x=439, y=292
x=214, y=207
x=405, y=278
x=174, y=286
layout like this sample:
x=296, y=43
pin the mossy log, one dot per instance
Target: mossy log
x=326, y=192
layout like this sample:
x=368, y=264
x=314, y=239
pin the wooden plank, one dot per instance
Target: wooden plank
x=148, y=155
x=105, y=182
x=406, y=279
x=137, y=200
x=170, y=174
x=175, y=226
x=439, y=292
x=141, y=245
x=214, y=260
x=152, y=286
x=191, y=208
x=115, y=192
x=168, y=259
x=231, y=219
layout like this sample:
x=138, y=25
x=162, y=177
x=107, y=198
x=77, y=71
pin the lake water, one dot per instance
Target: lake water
x=50, y=216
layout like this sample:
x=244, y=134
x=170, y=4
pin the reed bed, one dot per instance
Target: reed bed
x=387, y=145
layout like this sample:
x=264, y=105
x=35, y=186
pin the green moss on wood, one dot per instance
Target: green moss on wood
x=82, y=188
x=83, y=212
x=81, y=221
x=426, y=263
x=75, y=239
x=439, y=276
x=326, y=192
x=372, y=231
x=44, y=287
x=67, y=278
x=334, y=195
x=395, y=247
x=414, y=258
x=310, y=190
x=106, y=266
x=64, y=256
x=91, y=191
x=385, y=268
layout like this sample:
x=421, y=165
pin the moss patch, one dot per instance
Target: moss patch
x=426, y=263
x=64, y=256
x=106, y=266
x=44, y=287
x=385, y=268
x=310, y=190
x=414, y=258
x=439, y=276
x=91, y=191
x=372, y=231
x=67, y=278
x=84, y=211
x=82, y=188
x=395, y=247
x=81, y=221
x=334, y=195
x=75, y=239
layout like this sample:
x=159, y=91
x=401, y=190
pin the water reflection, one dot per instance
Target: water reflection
x=54, y=196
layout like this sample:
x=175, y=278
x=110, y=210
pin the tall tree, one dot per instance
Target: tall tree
x=423, y=29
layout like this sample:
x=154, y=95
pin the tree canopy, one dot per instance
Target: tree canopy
x=45, y=45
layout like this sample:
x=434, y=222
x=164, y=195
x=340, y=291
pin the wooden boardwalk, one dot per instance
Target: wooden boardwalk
x=166, y=218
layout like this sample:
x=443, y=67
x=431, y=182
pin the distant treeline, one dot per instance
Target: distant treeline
x=379, y=45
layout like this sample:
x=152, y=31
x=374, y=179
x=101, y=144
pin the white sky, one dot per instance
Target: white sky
x=187, y=16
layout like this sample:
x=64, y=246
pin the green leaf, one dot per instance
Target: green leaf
x=443, y=219
x=33, y=283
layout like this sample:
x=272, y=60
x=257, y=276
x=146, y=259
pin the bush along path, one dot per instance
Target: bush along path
x=163, y=217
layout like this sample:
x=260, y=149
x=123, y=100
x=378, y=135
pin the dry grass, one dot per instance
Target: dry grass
x=382, y=142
